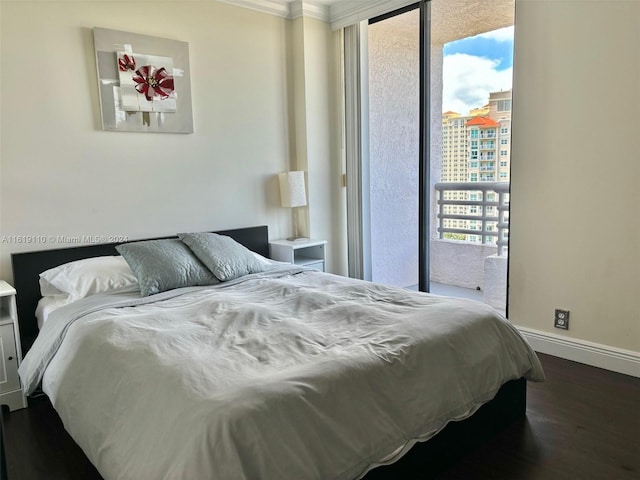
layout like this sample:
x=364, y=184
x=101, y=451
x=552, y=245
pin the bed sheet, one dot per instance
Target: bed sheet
x=48, y=304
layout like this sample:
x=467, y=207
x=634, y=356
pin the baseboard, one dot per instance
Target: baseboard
x=594, y=354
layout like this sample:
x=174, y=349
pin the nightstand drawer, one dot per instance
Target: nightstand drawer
x=9, y=379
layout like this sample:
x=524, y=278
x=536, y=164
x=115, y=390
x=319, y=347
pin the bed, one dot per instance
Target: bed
x=281, y=372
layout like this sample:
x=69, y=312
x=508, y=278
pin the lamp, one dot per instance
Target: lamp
x=293, y=194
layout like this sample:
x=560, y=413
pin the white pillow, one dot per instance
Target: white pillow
x=48, y=290
x=86, y=277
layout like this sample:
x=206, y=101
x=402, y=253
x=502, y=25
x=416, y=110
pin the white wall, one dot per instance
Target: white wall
x=575, y=202
x=62, y=175
x=316, y=52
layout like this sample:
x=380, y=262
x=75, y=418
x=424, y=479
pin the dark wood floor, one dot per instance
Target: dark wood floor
x=582, y=423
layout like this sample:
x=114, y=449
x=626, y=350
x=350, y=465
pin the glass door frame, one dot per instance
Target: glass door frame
x=356, y=139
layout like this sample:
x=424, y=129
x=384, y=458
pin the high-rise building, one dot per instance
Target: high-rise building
x=476, y=148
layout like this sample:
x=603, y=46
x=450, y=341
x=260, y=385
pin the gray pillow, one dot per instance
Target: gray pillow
x=161, y=265
x=225, y=257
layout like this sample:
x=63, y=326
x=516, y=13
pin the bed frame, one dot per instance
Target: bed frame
x=424, y=460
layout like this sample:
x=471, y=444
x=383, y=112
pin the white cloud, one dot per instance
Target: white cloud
x=468, y=80
x=500, y=35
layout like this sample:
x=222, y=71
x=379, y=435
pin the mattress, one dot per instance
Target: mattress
x=287, y=374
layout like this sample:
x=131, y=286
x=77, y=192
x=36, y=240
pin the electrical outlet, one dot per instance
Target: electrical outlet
x=561, y=319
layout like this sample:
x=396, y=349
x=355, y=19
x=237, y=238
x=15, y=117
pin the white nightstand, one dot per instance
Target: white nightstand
x=308, y=252
x=10, y=350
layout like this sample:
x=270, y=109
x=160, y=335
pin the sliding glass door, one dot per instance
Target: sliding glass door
x=429, y=87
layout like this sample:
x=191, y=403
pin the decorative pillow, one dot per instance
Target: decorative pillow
x=162, y=265
x=225, y=257
x=86, y=277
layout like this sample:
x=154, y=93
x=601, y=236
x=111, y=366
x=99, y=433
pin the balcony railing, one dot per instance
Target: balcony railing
x=501, y=204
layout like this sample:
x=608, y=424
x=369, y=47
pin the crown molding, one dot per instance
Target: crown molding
x=284, y=9
x=338, y=14
x=309, y=9
x=279, y=8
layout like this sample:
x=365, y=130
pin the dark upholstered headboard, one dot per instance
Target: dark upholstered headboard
x=28, y=266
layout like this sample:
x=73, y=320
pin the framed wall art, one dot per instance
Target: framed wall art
x=144, y=82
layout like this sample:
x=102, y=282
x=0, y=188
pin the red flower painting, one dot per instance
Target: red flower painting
x=152, y=82
x=126, y=63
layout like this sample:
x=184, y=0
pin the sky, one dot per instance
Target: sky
x=474, y=67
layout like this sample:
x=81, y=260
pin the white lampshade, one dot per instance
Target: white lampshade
x=292, y=189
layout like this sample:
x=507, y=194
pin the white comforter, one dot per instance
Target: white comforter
x=287, y=374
